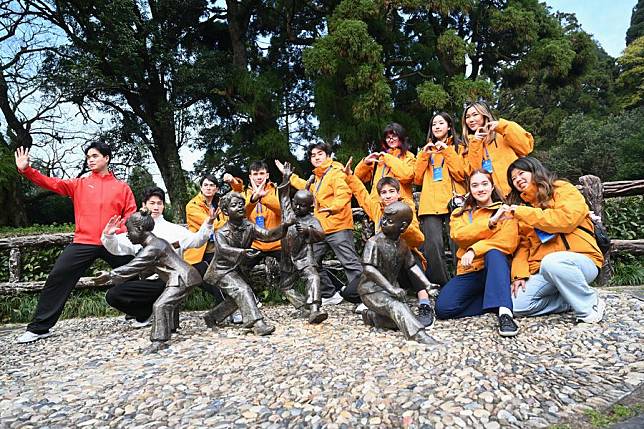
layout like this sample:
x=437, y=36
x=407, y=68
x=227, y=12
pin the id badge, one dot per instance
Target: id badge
x=259, y=221
x=437, y=174
x=487, y=165
x=544, y=237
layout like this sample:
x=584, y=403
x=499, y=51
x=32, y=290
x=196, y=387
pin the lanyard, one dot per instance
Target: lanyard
x=487, y=154
x=386, y=169
x=320, y=182
x=431, y=160
x=259, y=209
x=470, y=213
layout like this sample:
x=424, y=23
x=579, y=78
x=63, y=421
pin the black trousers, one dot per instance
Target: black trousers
x=68, y=268
x=137, y=297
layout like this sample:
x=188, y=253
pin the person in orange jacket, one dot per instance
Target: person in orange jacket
x=389, y=193
x=487, y=236
x=333, y=210
x=394, y=160
x=558, y=256
x=492, y=144
x=197, y=211
x=262, y=204
x=440, y=169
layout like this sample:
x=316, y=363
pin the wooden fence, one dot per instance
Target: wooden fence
x=592, y=188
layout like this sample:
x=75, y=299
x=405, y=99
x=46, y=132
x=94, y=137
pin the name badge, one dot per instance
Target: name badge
x=259, y=221
x=487, y=165
x=544, y=237
x=437, y=174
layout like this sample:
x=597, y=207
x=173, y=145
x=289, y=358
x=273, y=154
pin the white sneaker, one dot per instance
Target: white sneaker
x=597, y=314
x=334, y=300
x=360, y=308
x=30, y=337
x=136, y=324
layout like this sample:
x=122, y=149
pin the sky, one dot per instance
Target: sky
x=606, y=20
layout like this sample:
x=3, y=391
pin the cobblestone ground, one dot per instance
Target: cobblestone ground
x=92, y=373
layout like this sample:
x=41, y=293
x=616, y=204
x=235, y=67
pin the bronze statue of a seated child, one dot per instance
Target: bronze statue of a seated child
x=156, y=256
x=383, y=257
x=298, y=261
x=232, y=252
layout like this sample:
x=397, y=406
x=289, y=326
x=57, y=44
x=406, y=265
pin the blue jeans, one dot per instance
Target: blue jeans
x=560, y=285
x=473, y=294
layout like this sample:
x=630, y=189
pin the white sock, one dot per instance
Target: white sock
x=505, y=310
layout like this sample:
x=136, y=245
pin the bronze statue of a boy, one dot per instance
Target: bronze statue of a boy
x=298, y=260
x=156, y=256
x=232, y=252
x=383, y=257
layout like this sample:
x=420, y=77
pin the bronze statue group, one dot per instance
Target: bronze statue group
x=522, y=240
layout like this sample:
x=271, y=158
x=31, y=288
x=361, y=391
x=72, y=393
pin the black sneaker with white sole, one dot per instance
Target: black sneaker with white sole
x=507, y=326
x=426, y=315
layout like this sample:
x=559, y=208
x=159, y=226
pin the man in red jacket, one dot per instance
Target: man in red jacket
x=96, y=198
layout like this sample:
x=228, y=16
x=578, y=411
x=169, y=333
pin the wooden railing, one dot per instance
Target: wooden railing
x=592, y=188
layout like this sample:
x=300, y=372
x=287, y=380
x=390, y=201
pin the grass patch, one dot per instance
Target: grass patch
x=615, y=414
x=628, y=270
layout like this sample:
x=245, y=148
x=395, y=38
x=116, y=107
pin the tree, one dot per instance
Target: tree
x=636, y=29
x=140, y=60
x=631, y=79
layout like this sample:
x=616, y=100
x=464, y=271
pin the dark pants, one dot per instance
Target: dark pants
x=434, y=247
x=135, y=297
x=475, y=293
x=68, y=269
x=341, y=242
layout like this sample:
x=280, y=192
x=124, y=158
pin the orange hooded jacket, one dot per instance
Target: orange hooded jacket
x=268, y=207
x=330, y=191
x=566, y=212
x=197, y=211
x=510, y=143
x=435, y=195
x=474, y=233
x=394, y=164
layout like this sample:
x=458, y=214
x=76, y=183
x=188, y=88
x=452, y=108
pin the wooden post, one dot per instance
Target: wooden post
x=15, y=265
x=593, y=191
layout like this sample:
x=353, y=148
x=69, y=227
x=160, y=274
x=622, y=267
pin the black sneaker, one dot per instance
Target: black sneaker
x=507, y=326
x=426, y=315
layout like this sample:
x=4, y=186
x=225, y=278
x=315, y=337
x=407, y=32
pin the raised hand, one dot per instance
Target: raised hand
x=228, y=178
x=310, y=182
x=440, y=145
x=428, y=147
x=491, y=126
x=279, y=166
x=22, y=158
x=372, y=157
x=213, y=214
x=347, y=167
x=259, y=191
x=114, y=224
x=287, y=172
x=481, y=133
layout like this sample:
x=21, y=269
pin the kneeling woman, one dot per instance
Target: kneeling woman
x=558, y=255
x=486, y=235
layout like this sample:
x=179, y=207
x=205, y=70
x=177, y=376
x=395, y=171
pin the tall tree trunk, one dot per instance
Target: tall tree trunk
x=166, y=155
x=11, y=193
x=237, y=23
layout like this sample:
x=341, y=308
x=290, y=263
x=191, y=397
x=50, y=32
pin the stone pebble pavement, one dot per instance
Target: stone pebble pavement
x=340, y=374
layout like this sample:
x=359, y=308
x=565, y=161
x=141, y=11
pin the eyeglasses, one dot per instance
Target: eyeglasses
x=392, y=137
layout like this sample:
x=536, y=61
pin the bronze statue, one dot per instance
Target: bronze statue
x=232, y=252
x=383, y=257
x=298, y=260
x=156, y=256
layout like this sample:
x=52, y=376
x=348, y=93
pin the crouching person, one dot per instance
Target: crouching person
x=156, y=255
x=385, y=255
x=232, y=252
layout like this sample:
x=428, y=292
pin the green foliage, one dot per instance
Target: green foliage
x=636, y=28
x=35, y=229
x=609, y=147
x=625, y=217
x=630, y=82
x=628, y=270
x=140, y=179
x=616, y=413
x=81, y=303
